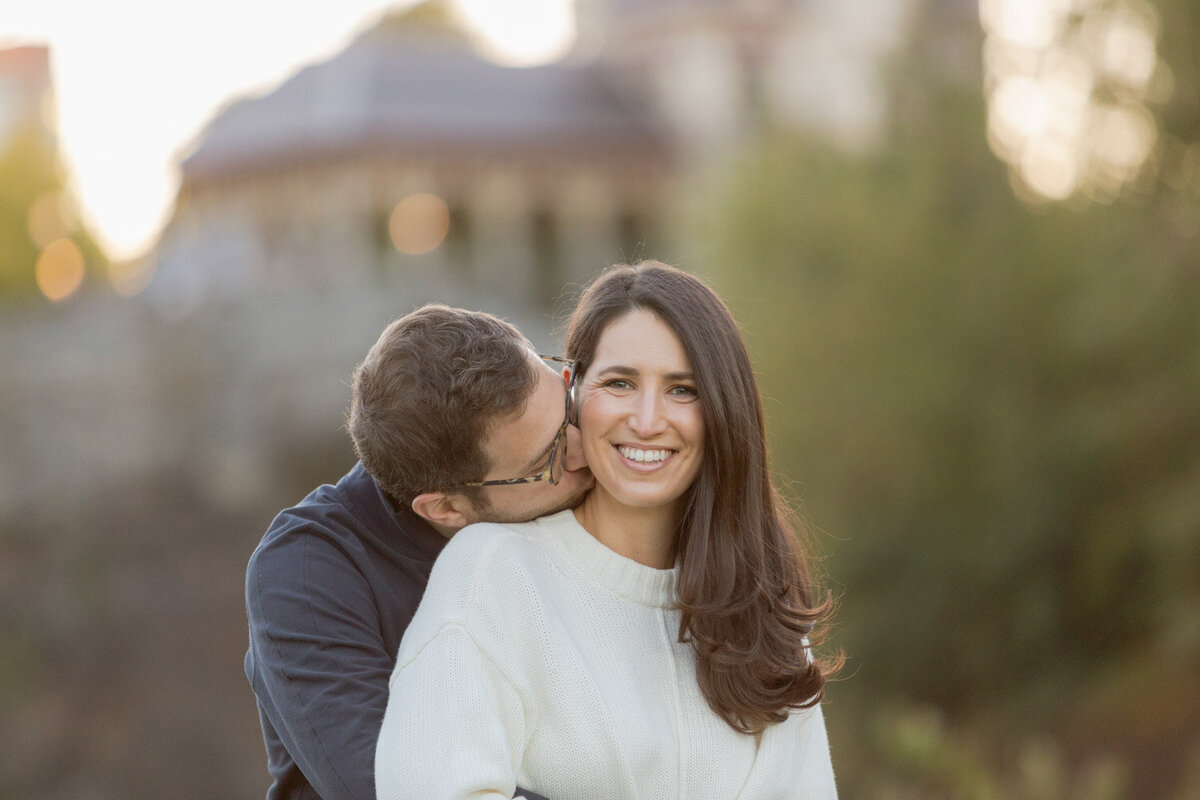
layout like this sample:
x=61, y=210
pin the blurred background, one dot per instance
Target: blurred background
x=962, y=236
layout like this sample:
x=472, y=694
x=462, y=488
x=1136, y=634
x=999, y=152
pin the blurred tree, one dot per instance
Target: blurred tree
x=993, y=411
x=26, y=171
x=35, y=210
x=429, y=18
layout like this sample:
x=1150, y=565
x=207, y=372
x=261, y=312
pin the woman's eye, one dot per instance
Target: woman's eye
x=684, y=391
x=617, y=383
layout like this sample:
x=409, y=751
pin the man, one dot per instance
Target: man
x=455, y=420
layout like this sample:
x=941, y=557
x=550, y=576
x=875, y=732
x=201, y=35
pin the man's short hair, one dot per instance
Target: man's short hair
x=428, y=394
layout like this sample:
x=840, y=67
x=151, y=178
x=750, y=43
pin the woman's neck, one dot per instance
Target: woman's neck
x=645, y=535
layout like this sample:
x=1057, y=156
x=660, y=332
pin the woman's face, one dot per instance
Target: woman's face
x=639, y=413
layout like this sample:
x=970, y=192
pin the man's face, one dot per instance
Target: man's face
x=521, y=446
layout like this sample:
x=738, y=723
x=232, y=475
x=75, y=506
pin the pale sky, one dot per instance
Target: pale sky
x=137, y=80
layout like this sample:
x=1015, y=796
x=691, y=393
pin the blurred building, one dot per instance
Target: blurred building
x=26, y=91
x=521, y=181
x=408, y=161
x=716, y=70
x=406, y=169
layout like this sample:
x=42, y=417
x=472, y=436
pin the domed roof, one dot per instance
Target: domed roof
x=408, y=94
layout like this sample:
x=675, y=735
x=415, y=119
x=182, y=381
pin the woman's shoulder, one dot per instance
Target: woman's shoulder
x=486, y=555
x=517, y=539
x=486, y=541
x=481, y=582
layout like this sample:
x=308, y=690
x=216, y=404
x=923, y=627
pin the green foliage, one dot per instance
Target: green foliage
x=941, y=763
x=430, y=18
x=26, y=171
x=1178, y=49
x=29, y=170
x=992, y=412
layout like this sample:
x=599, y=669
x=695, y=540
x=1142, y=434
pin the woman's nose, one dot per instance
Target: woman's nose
x=647, y=419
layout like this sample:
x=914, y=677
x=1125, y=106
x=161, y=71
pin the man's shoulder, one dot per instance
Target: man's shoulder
x=324, y=512
x=330, y=515
x=353, y=493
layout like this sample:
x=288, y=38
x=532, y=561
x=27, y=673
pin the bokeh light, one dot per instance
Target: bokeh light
x=1068, y=83
x=1049, y=167
x=47, y=222
x=1123, y=41
x=59, y=269
x=1123, y=138
x=1024, y=23
x=130, y=278
x=419, y=223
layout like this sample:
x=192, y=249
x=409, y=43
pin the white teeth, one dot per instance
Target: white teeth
x=633, y=454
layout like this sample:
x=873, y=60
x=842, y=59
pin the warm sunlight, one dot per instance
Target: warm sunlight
x=137, y=80
x=1067, y=83
x=523, y=33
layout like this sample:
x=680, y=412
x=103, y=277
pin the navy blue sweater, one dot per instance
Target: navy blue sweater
x=329, y=592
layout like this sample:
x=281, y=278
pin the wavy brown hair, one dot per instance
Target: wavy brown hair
x=748, y=599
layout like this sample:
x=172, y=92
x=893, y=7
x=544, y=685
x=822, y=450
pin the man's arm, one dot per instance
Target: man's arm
x=317, y=661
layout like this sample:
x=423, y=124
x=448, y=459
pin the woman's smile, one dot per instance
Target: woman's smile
x=639, y=458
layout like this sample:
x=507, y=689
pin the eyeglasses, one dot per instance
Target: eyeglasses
x=558, y=448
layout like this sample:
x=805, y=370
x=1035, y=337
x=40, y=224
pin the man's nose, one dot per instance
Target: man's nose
x=575, y=458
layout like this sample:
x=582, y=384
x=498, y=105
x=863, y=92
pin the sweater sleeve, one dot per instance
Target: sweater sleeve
x=459, y=710
x=317, y=662
x=816, y=765
x=454, y=725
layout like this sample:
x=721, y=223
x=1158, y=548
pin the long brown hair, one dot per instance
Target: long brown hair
x=747, y=596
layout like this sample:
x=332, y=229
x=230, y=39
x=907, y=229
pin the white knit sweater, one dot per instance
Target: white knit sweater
x=543, y=659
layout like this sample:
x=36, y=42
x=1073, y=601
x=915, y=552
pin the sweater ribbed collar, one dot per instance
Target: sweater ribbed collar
x=623, y=576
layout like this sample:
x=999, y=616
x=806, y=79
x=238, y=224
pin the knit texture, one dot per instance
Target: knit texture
x=539, y=657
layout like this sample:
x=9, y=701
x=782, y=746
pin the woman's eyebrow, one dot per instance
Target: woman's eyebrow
x=621, y=369
x=618, y=369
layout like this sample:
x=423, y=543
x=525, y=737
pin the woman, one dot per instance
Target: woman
x=650, y=643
